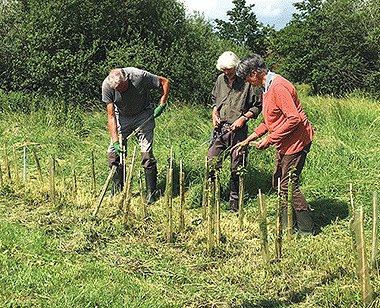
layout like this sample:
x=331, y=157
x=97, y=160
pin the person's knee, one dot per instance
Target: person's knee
x=148, y=160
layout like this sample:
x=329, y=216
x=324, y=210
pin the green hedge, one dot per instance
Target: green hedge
x=65, y=48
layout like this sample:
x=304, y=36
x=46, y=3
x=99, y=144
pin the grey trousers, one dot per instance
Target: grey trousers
x=126, y=125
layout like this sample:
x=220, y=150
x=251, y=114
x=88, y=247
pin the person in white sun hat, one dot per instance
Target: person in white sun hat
x=234, y=102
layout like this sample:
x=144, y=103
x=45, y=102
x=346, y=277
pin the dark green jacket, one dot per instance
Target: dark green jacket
x=232, y=103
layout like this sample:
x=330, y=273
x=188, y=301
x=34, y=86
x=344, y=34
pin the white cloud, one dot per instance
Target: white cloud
x=271, y=7
x=210, y=8
x=267, y=9
x=272, y=12
x=201, y=5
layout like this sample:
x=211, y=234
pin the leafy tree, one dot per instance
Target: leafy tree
x=243, y=28
x=331, y=45
x=294, y=45
x=65, y=48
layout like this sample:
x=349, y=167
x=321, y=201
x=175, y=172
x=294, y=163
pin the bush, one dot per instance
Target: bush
x=66, y=48
x=331, y=45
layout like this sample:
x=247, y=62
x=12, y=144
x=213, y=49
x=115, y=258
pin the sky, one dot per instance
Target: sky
x=275, y=13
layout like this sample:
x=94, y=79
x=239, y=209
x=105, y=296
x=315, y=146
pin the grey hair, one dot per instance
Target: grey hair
x=250, y=63
x=115, y=77
x=227, y=60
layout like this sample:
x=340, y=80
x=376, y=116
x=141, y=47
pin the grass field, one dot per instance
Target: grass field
x=59, y=255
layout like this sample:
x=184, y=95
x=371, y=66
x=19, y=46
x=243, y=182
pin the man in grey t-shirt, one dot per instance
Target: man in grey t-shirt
x=126, y=91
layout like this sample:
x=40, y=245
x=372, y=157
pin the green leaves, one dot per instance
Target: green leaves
x=243, y=28
x=66, y=48
x=330, y=45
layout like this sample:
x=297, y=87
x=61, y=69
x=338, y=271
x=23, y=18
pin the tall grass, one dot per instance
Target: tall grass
x=61, y=256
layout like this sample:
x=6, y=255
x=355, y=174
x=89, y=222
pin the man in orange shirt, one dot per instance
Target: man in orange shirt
x=289, y=131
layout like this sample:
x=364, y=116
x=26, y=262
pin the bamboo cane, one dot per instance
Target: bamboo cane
x=170, y=208
x=181, y=198
x=93, y=172
x=375, y=231
x=125, y=202
x=241, y=194
x=128, y=188
x=205, y=191
x=263, y=228
x=52, y=180
x=143, y=204
x=15, y=165
x=290, y=207
x=1, y=175
x=363, y=273
x=169, y=199
x=7, y=167
x=278, y=243
x=217, y=204
x=24, y=165
x=210, y=229
x=38, y=165
x=241, y=200
x=104, y=190
x=122, y=157
x=74, y=180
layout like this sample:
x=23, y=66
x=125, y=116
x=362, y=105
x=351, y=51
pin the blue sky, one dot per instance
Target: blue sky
x=273, y=12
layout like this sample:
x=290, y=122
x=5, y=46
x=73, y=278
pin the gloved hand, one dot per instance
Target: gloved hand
x=117, y=147
x=158, y=110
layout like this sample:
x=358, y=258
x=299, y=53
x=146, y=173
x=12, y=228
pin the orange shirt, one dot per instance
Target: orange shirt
x=290, y=130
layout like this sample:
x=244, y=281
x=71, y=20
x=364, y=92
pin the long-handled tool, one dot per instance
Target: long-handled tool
x=102, y=194
x=137, y=129
x=113, y=169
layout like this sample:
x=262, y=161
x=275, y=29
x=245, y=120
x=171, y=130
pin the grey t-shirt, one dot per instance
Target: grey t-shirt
x=137, y=97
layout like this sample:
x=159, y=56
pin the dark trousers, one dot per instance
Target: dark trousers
x=224, y=139
x=284, y=164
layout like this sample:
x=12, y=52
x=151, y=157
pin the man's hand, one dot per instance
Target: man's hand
x=158, y=110
x=238, y=147
x=118, y=149
x=215, y=119
x=239, y=122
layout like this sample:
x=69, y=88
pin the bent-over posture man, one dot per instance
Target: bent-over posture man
x=289, y=131
x=234, y=103
x=126, y=91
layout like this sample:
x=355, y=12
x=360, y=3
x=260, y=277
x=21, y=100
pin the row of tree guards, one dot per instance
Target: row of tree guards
x=211, y=208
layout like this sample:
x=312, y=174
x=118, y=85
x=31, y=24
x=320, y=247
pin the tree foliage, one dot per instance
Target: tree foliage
x=65, y=48
x=332, y=45
x=243, y=28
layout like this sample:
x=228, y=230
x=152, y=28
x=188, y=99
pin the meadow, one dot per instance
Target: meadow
x=58, y=254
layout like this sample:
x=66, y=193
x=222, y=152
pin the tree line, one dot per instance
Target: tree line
x=65, y=48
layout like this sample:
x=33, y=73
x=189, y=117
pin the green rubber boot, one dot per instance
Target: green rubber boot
x=305, y=223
